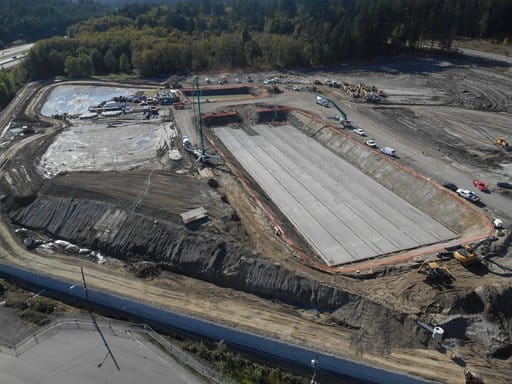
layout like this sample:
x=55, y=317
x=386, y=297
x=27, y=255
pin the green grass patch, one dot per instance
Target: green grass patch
x=35, y=310
x=237, y=367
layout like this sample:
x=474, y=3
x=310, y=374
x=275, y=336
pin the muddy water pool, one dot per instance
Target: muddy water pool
x=75, y=99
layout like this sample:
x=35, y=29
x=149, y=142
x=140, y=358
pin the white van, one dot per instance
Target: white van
x=388, y=151
x=321, y=101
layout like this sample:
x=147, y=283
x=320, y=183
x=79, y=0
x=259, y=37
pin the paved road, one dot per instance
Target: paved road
x=9, y=113
x=12, y=56
x=345, y=215
x=73, y=356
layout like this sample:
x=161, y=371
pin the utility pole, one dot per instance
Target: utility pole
x=109, y=351
x=199, y=118
x=273, y=99
x=314, y=365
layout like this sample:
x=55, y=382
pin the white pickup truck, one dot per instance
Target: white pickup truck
x=321, y=101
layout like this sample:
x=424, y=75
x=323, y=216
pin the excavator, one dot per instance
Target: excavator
x=341, y=117
x=502, y=143
x=435, y=273
x=466, y=254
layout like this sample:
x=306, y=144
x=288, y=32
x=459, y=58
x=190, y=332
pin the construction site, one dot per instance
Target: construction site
x=364, y=211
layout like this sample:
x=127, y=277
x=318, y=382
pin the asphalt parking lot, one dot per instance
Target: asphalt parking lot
x=79, y=356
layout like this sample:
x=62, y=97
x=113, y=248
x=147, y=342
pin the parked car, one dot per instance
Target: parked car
x=388, y=151
x=504, y=184
x=450, y=186
x=360, y=132
x=371, y=143
x=237, y=80
x=480, y=185
x=468, y=195
x=322, y=101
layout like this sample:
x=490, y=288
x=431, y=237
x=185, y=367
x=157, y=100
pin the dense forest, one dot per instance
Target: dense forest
x=30, y=20
x=208, y=34
x=120, y=3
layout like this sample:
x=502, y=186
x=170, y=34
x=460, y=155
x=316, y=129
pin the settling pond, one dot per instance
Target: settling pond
x=76, y=99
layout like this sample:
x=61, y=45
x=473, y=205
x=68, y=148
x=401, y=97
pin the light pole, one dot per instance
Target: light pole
x=314, y=365
x=200, y=121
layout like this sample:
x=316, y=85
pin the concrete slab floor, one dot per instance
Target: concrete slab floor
x=343, y=213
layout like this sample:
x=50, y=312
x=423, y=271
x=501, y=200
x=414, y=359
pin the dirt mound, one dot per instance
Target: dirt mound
x=159, y=193
x=166, y=245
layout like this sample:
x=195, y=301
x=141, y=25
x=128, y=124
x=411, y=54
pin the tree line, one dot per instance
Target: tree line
x=30, y=20
x=210, y=34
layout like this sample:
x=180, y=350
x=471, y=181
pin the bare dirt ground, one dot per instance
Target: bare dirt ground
x=483, y=46
x=442, y=115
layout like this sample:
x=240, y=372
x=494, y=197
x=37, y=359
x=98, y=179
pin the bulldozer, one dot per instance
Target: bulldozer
x=435, y=273
x=274, y=89
x=466, y=254
x=502, y=143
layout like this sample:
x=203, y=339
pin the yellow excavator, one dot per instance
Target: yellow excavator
x=466, y=254
x=502, y=143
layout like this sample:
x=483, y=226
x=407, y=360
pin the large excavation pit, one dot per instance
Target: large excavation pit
x=344, y=214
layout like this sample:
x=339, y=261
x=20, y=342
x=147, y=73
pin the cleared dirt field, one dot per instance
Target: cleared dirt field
x=237, y=270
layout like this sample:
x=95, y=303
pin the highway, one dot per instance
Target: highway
x=13, y=56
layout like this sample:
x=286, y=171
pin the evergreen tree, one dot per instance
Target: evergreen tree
x=111, y=63
x=124, y=63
